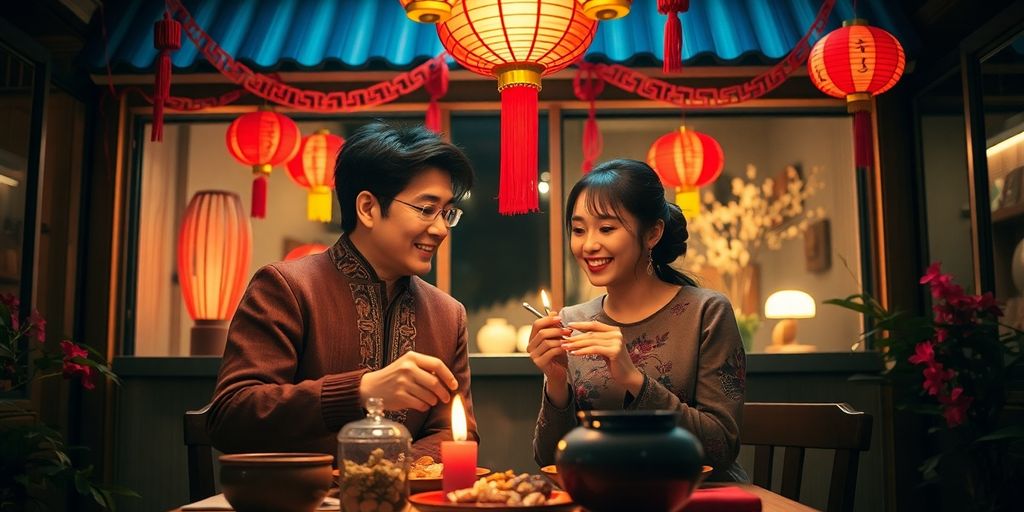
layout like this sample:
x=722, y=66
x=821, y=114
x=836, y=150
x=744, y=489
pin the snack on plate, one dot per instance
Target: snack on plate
x=425, y=467
x=505, y=488
x=377, y=485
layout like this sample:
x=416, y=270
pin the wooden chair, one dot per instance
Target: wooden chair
x=200, y=455
x=797, y=427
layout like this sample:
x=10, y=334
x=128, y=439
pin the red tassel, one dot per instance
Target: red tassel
x=587, y=85
x=863, y=147
x=517, y=188
x=673, y=33
x=437, y=86
x=166, y=37
x=259, y=196
x=592, y=142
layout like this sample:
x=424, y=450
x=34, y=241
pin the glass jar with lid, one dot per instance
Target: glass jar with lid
x=373, y=462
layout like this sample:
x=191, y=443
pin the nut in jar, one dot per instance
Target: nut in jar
x=377, y=485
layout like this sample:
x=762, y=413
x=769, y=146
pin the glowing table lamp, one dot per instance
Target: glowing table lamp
x=788, y=305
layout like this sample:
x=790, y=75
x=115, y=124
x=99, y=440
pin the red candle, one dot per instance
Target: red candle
x=459, y=455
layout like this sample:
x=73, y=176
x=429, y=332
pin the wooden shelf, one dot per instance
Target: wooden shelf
x=1008, y=213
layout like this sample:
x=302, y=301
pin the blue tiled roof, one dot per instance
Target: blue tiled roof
x=375, y=34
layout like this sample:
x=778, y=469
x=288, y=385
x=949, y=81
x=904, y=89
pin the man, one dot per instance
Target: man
x=313, y=339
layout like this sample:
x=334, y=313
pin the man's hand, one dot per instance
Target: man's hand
x=413, y=381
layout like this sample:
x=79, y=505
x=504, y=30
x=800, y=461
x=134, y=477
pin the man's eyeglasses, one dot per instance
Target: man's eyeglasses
x=429, y=213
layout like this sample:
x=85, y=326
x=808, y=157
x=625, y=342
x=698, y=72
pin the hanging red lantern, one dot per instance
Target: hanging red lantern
x=602, y=10
x=313, y=168
x=214, y=250
x=436, y=86
x=428, y=11
x=517, y=41
x=262, y=140
x=856, y=62
x=305, y=250
x=686, y=159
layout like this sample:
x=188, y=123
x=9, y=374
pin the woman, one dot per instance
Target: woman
x=655, y=340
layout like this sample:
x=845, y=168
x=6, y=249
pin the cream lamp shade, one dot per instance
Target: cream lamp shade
x=787, y=305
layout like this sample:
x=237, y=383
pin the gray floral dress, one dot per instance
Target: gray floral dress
x=693, y=361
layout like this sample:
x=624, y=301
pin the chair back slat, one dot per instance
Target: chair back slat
x=792, y=472
x=764, y=457
x=200, y=455
x=796, y=427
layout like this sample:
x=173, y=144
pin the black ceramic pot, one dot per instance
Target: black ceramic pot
x=629, y=460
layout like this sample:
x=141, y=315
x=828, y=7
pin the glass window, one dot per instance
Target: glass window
x=193, y=157
x=812, y=249
x=16, y=78
x=497, y=261
x=946, y=191
x=1004, y=126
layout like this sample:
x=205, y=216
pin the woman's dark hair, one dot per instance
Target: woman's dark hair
x=383, y=159
x=632, y=185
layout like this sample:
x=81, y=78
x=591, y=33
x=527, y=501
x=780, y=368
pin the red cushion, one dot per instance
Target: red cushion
x=723, y=499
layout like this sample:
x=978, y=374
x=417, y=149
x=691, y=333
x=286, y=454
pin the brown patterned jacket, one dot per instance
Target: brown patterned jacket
x=303, y=336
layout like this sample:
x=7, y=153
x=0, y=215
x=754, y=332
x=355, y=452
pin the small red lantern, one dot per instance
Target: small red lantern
x=313, y=168
x=686, y=159
x=214, y=250
x=517, y=41
x=262, y=140
x=856, y=62
x=305, y=250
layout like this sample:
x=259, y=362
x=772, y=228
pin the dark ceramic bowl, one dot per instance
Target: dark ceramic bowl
x=281, y=482
x=629, y=460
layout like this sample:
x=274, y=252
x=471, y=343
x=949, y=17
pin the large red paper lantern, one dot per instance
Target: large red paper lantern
x=305, y=250
x=428, y=11
x=313, y=168
x=518, y=42
x=856, y=62
x=262, y=140
x=214, y=250
x=686, y=159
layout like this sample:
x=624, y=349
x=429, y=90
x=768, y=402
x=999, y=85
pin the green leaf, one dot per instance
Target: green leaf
x=1010, y=432
x=928, y=468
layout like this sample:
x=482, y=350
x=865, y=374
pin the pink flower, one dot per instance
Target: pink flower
x=923, y=353
x=935, y=377
x=955, y=406
x=12, y=303
x=71, y=350
x=72, y=369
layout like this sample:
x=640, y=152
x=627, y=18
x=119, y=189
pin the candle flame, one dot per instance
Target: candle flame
x=544, y=299
x=458, y=420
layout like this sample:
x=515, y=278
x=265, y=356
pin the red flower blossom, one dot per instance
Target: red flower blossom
x=923, y=353
x=955, y=406
x=72, y=369
x=38, y=326
x=935, y=377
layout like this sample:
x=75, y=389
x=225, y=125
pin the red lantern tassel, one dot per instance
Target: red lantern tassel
x=863, y=147
x=259, y=194
x=437, y=86
x=166, y=37
x=592, y=141
x=517, y=188
x=673, y=33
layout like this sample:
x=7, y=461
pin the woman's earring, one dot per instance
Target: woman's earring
x=650, y=262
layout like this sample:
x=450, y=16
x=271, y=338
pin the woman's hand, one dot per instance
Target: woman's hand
x=600, y=339
x=546, y=351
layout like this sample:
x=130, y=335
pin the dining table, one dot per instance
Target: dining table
x=770, y=501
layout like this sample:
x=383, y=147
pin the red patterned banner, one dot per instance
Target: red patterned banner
x=275, y=91
x=709, y=97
